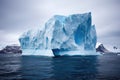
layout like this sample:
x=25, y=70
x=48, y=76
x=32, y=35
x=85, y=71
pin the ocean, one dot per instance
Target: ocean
x=18, y=67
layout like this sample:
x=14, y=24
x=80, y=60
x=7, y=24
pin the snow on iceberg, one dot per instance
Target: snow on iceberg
x=64, y=33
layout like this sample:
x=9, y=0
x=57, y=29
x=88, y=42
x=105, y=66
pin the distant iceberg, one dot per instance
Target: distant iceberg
x=70, y=33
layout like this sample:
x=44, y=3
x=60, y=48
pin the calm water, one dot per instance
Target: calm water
x=18, y=67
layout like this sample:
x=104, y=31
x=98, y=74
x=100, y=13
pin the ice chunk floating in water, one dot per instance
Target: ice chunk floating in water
x=62, y=34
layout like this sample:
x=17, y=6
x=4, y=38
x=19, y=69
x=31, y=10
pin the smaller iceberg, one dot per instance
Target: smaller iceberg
x=102, y=50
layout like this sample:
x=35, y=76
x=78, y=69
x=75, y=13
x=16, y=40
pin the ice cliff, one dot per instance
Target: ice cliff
x=73, y=32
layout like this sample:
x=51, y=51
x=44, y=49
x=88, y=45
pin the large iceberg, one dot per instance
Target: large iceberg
x=61, y=34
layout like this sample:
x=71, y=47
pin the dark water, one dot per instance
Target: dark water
x=16, y=67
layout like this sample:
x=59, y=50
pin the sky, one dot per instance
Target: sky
x=18, y=16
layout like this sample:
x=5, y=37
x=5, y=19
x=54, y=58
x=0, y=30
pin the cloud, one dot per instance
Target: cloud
x=17, y=16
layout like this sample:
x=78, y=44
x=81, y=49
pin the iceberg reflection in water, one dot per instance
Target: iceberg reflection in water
x=60, y=68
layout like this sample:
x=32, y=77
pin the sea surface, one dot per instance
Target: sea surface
x=17, y=67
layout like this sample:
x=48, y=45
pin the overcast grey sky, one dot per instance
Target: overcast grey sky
x=17, y=16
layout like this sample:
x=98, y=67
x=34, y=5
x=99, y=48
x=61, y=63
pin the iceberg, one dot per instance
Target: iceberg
x=60, y=35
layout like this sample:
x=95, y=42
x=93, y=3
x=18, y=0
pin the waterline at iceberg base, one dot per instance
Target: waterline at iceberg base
x=62, y=35
x=62, y=53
